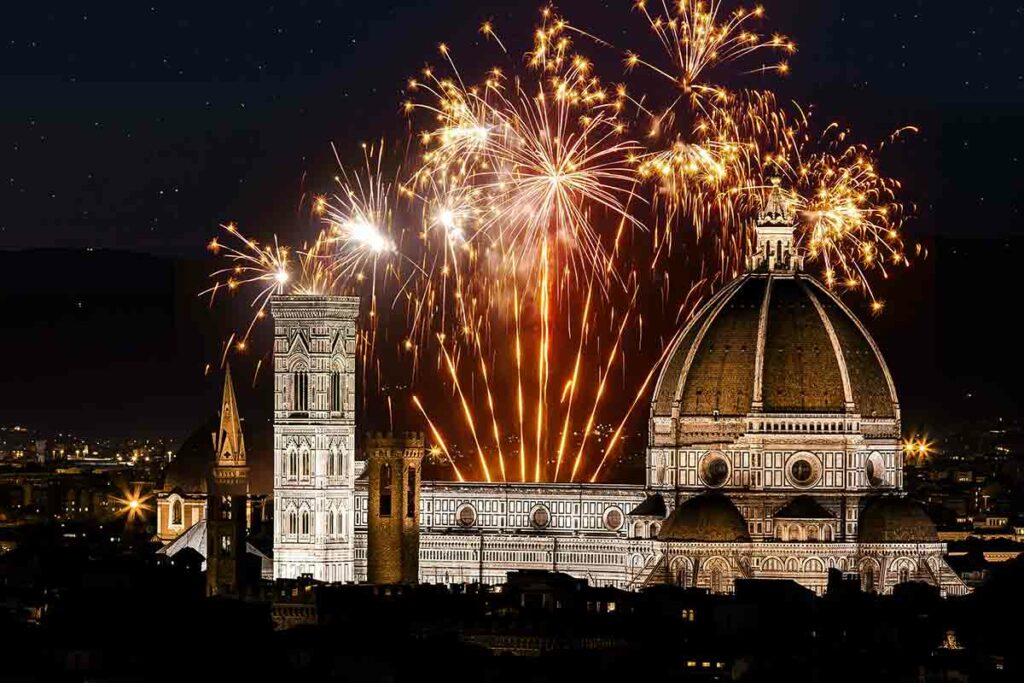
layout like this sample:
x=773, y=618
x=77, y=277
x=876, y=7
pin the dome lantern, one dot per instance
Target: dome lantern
x=773, y=231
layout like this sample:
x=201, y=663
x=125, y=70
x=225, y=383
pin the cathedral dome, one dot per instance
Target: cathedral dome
x=895, y=519
x=708, y=517
x=191, y=465
x=775, y=342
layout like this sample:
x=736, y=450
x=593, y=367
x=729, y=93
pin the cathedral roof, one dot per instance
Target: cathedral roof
x=651, y=506
x=708, y=517
x=803, y=507
x=774, y=342
x=195, y=538
x=895, y=519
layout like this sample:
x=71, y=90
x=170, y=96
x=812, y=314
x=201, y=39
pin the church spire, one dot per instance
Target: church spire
x=229, y=442
x=774, y=235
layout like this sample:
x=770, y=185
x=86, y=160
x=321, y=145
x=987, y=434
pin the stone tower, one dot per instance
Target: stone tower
x=227, y=488
x=393, y=519
x=314, y=436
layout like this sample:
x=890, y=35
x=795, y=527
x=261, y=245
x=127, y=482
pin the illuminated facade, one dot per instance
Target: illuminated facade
x=774, y=452
x=314, y=436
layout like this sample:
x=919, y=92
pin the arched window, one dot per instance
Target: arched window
x=330, y=524
x=305, y=522
x=293, y=522
x=341, y=523
x=410, y=493
x=638, y=530
x=716, y=580
x=867, y=579
x=330, y=463
x=384, y=509
x=176, y=513
x=300, y=391
x=826, y=533
x=681, y=575
x=904, y=574
x=293, y=464
x=307, y=463
x=336, y=391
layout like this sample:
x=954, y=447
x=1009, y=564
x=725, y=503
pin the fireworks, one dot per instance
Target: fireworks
x=700, y=35
x=533, y=228
x=267, y=267
x=848, y=214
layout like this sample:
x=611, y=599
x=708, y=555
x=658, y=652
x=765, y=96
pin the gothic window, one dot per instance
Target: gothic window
x=300, y=391
x=385, y=491
x=225, y=545
x=293, y=522
x=305, y=522
x=410, y=493
x=307, y=463
x=681, y=575
x=867, y=581
x=341, y=523
x=336, y=392
x=904, y=574
x=293, y=464
x=716, y=580
x=176, y=513
x=330, y=524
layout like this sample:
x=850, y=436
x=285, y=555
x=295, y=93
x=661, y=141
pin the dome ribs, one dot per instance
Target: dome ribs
x=721, y=376
x=870, y=382
x=801, y=371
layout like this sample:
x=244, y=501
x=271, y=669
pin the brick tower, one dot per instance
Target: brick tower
x=227, y=488
x=393, y=519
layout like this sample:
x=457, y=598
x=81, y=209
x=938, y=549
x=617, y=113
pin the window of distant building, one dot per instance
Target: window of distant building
x=307, y=463
x=225, y=545
x=466, y=515
x=177, y=513
x=540, y=518
x=410, y=493
x=292, y=469
x=613, y=519
x=300, y=391
x=336, y=391
x=385, y=490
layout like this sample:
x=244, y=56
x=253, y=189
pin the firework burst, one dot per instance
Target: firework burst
x=533, y=231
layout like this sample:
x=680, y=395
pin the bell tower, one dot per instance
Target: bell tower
x=227, y=490
x=314, y=436
x=393, y=518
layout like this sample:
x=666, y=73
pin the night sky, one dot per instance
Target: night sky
x=141, y=126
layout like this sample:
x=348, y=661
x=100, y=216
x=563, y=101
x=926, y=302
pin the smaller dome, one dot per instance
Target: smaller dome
x=895, y=519
x=803, y=507
x=191, y=465
x=651, y=506
x=708, y=517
